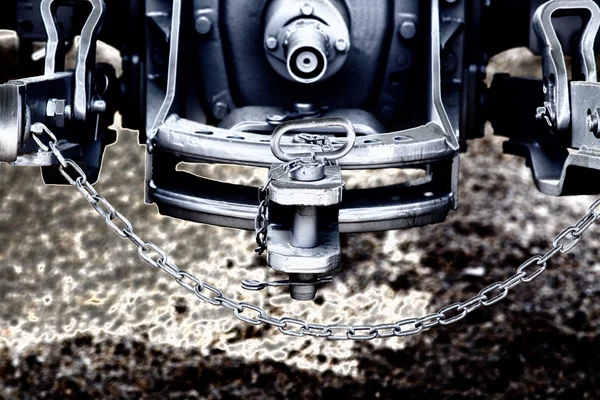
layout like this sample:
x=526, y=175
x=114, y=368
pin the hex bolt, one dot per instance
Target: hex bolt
x=307, y=9
x=407, y=30
x=203, y=25
x=220, y=110
x=449, y=62
x=341, y=45
x=271, y=43
x=51, y=108
x=56, y=109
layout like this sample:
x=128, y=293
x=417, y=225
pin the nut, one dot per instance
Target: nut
x=593, y=122
x=271, y=43
x=341, y=45
x=307, y=9
x=220, y=110
x=407, y=30
x=55, y=109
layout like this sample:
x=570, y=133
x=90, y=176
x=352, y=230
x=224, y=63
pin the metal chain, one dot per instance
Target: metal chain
x=262, y=217
x=157, y=258
x=319, y=140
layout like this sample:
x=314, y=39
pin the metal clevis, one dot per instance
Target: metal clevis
x=302, y=217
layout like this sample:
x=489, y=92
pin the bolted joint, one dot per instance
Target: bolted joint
x=57, y=110
x=307, y=9
x=407, y=30
x=220, y=110
x=593, y=123
x=341, y=45
x=271, y=43
x=203, y=25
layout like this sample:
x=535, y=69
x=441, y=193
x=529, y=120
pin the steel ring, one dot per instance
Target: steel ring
x=330, y=122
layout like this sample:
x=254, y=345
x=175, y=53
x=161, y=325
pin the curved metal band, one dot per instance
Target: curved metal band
x=86, y=57
x=553, y=59
x=287, y=127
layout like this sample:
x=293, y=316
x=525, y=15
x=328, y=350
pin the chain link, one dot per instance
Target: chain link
x=262, y=217
x=156, y=257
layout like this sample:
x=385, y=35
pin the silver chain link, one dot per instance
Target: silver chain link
x=262, y=217
x=157, y=258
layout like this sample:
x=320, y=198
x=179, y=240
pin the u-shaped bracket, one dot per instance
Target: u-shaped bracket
x=556, y=79
x=86, y=57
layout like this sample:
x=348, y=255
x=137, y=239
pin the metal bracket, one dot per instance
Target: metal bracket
x=86, y=57
x=61, y=99
x=568, y=107
x=433, y=146
x=557, y=111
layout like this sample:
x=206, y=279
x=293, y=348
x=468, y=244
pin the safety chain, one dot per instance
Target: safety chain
x=157, y=258
x=262, y=217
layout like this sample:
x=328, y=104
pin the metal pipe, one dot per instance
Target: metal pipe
x=306, y=53
x=304, y=232
x=303, y=292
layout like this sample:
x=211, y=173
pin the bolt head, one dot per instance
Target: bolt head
x=50, y=108
x=407, y=30
x=220, y=110
x=99, y=106
x=304, y=107
x=203, y=25
x=307, y=9
x=593, y=123
x=56, y=109
x=449, y=62
x=271, y=43
x=341, y=45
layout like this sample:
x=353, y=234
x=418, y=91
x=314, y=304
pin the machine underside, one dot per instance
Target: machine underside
x=306, y=89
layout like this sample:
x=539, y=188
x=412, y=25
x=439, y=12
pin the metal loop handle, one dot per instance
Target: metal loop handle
x=287, y=127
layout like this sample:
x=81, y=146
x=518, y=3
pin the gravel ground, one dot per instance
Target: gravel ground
x=81, y=317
